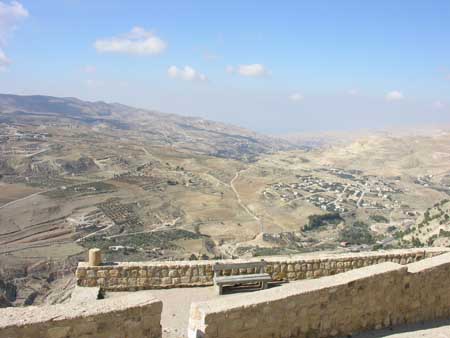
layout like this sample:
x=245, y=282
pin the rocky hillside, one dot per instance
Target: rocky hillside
x=185, y=133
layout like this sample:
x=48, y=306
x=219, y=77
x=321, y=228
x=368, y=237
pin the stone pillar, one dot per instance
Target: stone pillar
x=95, y=257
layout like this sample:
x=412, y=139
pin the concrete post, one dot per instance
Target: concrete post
x=95, y=257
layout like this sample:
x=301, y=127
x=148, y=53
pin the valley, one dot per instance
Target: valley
x=143, y=185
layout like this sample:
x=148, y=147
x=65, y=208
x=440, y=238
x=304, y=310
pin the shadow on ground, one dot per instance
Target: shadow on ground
x=228, y=290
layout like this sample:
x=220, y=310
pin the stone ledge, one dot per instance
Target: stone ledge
x=313, y=257
x=82, y=294
x=428, y=264
x=369, y=298
x=298, y=288
x=10, y=317
x=132, y=276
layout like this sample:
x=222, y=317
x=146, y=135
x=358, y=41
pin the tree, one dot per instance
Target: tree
x=358, y=233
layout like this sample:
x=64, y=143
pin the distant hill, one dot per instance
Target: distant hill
x=190, y=133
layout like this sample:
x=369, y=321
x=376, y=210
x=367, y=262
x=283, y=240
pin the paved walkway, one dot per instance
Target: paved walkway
x=176, y=306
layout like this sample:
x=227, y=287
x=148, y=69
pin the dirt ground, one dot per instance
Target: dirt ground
x=14, y=192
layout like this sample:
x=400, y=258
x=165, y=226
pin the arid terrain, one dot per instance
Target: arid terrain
x=143, y=185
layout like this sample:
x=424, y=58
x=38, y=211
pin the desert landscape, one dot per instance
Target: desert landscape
x=143, y=185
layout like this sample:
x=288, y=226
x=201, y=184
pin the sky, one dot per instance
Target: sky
x=272, y=66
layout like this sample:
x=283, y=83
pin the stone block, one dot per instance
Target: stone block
x=166, y=281
x=185, y=280
x=95, y=257
x=173, y=273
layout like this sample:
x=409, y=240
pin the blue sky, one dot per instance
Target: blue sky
x=277, y=67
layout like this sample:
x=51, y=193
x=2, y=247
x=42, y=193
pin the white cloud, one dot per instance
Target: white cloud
x=4, y=61
x=10, y=15
x=172, y=71
x=296, y=97
x=89, y=69
x=251, y=70
x=186, y=73
x=353, y=92
x=394, y=95
x=438, y=104
x=14, y=8
x=255, y=69
x=138, y=41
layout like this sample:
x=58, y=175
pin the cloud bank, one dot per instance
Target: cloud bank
x=138, y=42
x=4, y=61
x=10, y=16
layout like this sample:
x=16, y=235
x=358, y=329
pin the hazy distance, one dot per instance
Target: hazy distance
x=303, y=66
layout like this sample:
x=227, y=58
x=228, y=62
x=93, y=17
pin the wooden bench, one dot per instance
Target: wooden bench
x=260, y=276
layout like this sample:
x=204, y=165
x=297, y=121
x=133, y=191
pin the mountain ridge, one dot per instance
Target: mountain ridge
x=185, y=132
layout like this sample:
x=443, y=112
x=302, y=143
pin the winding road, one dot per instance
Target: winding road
x=243, y=206
x=236, y=193
x=23, y=198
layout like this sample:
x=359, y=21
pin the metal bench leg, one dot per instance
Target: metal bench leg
x=263, y=285
x=219, y=289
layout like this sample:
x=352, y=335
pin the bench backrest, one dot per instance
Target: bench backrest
x=259, y=266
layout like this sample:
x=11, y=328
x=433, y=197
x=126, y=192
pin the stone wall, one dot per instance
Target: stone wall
x=373, y=297
x=122, y=317
x=151, y=275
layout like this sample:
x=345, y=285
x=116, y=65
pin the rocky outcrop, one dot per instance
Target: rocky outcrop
x=4, y=302
x=8, y=290
x=83, y=164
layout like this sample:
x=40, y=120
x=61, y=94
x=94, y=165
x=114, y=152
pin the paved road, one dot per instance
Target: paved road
x=358, y=204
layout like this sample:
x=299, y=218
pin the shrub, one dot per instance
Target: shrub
x=317, y=221
x=379, y=219
x=416, y=242
x=391, y=228
x=359, y=233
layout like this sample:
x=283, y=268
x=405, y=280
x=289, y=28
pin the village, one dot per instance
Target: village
x=350, y=191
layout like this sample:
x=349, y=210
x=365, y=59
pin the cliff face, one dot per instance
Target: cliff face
x=8, y=293
x=36, y=284
x=4, y=302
